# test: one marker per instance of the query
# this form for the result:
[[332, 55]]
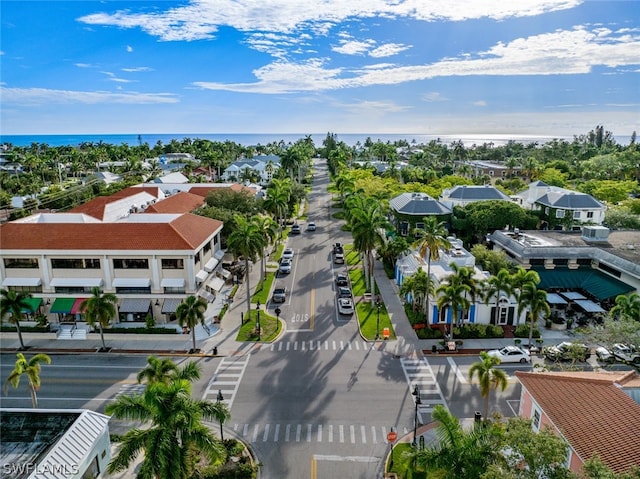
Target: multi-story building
[[145, 249]]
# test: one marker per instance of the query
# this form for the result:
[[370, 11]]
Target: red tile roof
[[182, 202], [185, 232], [96, 206], [592, 412]]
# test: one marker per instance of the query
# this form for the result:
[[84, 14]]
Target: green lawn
[[402, 462], [263, 288], [358, 284], [368, 319], [275, 256], [352, 257], [269, 327]]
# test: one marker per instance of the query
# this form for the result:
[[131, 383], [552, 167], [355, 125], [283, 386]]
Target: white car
[[510, 354], [285, 266], [287, 253], [623, 352], [311, 226], [345, 306]]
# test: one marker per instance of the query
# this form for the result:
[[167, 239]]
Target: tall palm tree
[[246, 241], [269, 229], [535, 300], [222, 414], [518, 280], [497, 284], [420, 287], [465, 276], [12, 305], [454, 296], [99, 309], [277, 200], [191, 312], [31, 369], [627, 307], [165, 371], [434, 238], [489, 377], [176, 436], [367, 228]]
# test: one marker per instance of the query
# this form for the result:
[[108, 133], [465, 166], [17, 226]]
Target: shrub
[[522, 331], [429, 333]]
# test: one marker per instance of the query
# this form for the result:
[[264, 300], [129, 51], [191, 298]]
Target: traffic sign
[[392, 436]]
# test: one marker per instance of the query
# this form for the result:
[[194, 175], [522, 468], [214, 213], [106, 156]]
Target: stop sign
[[392, 436]]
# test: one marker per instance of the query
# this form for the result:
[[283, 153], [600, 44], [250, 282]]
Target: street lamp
[[220, 399], [258, 319], [418, 401], [378, 320], [277, 311]]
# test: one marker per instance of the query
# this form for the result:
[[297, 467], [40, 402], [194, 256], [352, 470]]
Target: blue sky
[[525, 67]]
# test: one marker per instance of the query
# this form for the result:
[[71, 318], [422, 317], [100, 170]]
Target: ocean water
[[250, 139]]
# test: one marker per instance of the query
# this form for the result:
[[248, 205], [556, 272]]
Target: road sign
[[392, 436]]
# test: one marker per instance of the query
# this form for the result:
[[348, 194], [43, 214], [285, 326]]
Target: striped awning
[[135, 305], [34, 304], [76, 305], [172, 283], [170, 305], [62, 305], [554, 298], [76, 282], [589, 306], [131, 282], [201, 275], [216, 283]]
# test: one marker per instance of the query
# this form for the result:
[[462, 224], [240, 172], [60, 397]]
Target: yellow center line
[[314, 468]]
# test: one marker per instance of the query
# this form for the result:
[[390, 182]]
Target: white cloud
[[352, 47], [129, 48], [388, 50], [83, 65], [137, 69], [434, 96], [42, 96], [201, 19], [562, 52], [480, 103], [373, 108]]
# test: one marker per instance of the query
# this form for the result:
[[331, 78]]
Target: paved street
[[319, 401]]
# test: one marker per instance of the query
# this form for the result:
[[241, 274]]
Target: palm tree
[[32, 369], [497, 284], [535, 300], [367, 228], [277, 200], [191, 312], [459, 453], [434, 237], [464, 275], [176, 437], [518, 280], [221, 413], [489, 377], [269, 229], [420, 287], [12, 304], [454, 296], [165, 371], [627, 307], [246, 241], [99, 309]]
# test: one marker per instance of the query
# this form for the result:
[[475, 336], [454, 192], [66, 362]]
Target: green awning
[[594, 282], [63, 305], [34, 304]]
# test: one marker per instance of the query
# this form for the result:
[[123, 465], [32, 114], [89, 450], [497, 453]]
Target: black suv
[[342, 280]]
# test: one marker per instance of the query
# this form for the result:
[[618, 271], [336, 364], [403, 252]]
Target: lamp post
[[258, 319], [378, 320], [418, 401], [220, 399], [277, 311]]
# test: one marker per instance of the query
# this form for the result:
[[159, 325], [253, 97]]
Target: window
[[491, 172], [172, 290], [206, 248], [30, 263], [576, 215], [72, 289], [133, 290], [172, 263], [559, 213], [75, 263], [420, 226], [535, 420], [130, 263], [25, 289], [589, 214], [546, 211], [196, 258]]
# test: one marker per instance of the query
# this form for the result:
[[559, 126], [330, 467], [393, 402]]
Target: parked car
[[344, 292], [338, 248], [311, 226], [604, 355], [567, 351], [338, 258], [295, 229], [287, 253], [285, 266], [345, 306], [279, 295], [626, 353], [510, 354], [342, 280]]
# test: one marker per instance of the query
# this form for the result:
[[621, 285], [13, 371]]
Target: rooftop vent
[[595, 234]]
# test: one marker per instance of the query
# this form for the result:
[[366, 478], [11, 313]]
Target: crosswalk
[[326, 345], [226, 379], [419, 373], [316, 433], [131, 389]]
